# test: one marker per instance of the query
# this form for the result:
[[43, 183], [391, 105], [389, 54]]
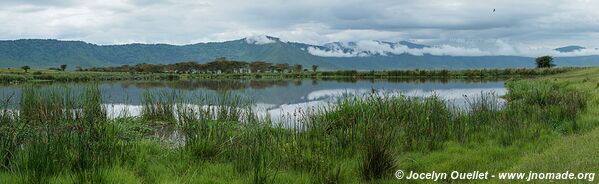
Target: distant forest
[[219, 65]]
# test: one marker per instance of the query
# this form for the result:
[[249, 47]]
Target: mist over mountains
[[361, 55]]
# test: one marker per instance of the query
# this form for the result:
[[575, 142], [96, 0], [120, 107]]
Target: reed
[[9, 133], [60, 131], [378, 157], [159, 106]]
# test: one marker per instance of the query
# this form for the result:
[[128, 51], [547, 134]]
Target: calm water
[[278, 98]]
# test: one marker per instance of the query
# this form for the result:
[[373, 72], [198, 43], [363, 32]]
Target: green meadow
[[18, 76], [58, 135]]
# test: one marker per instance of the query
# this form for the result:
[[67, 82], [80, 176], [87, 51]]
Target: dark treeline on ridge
[[219, 65]]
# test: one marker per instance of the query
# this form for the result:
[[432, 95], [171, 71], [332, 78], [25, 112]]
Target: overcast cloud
[[517, 26]]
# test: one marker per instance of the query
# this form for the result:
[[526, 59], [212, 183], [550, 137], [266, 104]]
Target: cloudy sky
[[530, 24]]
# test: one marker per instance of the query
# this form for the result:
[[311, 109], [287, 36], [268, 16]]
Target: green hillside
[[52, 53]]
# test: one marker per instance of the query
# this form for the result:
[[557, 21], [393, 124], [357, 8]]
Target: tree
[[26, 68], [544, 62], [183, 67], [63, 67], [281, 67], [226, 66], [314, 68], [260, 66], [298, 68]]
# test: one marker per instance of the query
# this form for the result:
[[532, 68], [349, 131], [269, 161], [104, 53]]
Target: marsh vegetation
[[245, 71], [58, 135]]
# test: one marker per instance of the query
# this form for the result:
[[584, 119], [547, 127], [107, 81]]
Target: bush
[[550, 103], [9, 78]]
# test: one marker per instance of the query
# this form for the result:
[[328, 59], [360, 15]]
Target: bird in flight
[[493, 10]]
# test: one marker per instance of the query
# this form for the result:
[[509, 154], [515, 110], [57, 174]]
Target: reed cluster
[[81, 76], [57, 130]]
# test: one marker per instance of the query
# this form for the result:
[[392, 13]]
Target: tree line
[[222, 65], [26, 68], [219, 65]]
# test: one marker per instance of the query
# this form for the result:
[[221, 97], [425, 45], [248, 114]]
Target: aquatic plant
[[61, 132]]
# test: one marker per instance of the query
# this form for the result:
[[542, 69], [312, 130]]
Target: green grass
[[576, 152], [63, 136], [12, 76]]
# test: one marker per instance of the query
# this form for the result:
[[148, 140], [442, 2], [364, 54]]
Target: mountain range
[[380, 55]]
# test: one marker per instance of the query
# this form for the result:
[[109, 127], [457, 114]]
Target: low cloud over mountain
[[261, 39], [367, 48], [358, 55]]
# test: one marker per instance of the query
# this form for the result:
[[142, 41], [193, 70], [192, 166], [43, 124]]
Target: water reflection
[[217, 85], [280, 99], [228, 85]]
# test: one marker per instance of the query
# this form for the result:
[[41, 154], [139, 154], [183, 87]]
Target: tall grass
[[13, 78], [227, 131], [388, 125], [378, 157], [549, 103], [478, 73], [58, 130], [207, 128], [159, 106], [8, 132], [19, 77]]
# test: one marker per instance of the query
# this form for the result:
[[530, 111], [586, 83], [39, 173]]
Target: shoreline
[[420, 135], [15, 76]]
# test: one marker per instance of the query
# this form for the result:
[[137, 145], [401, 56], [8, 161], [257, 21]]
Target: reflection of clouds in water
[[455, 94], [125, 110], [447, 94], [458, 97], [288, 114], [261, 109], [122, 110], [333, 93]]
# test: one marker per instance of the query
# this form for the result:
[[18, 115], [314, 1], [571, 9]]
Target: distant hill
[[571, 48], [52, 53]]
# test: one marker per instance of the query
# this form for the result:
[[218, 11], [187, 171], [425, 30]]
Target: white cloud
[[369, 48], [581, 52], [259, 40], [448, 50], [498, 48], [535, 23], [332, 53]]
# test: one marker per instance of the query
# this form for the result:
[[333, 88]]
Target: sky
[[516, 26]]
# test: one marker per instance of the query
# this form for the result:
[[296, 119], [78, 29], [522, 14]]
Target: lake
[[280, 99]]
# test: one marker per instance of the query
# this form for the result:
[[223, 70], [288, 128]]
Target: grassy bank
[[13, 76], [20, 76], [576, 152], [63, 136], [393, 74]]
